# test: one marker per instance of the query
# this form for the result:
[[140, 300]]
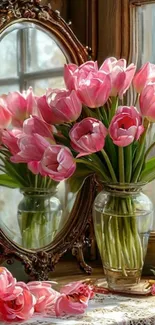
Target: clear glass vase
[[123, 218], [39, 217]]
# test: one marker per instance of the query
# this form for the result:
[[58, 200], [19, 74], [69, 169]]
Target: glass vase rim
[[130, 187], [38, 191]]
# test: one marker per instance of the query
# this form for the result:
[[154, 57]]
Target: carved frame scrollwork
[[40, 262]]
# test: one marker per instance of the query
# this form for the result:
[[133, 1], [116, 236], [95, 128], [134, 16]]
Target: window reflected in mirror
[[30, 58], [146, 52]]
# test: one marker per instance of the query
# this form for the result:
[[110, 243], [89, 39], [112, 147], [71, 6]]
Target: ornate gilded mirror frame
[[38, 263]]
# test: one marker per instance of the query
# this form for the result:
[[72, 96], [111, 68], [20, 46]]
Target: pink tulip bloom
[[5, 116], [34, 125], [59, 106], [121, 75], [7, 282], [144, 76], [21, 106], [147, 101], [31, 147], [45, 297], [10, 140], [92, 86], [79, 288], [153, 289], [95, 90], [126, 126], [19, 307], [88, 136], [72, 71], [74, 299], [58, 163]]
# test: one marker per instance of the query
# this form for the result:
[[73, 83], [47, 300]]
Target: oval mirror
[[35, 43], [32, 58]]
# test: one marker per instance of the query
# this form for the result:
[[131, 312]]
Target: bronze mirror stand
[[38, 263]]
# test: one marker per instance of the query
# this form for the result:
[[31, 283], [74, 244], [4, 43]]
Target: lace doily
[[107, 310]]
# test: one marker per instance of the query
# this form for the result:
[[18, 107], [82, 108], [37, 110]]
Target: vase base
[[118, 281]]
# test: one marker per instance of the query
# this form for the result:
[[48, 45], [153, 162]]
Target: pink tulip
[[45, 297], [19, 307], [31, 147], [79, 288], [92, 86], [95, 90], [58, 162], [126, 126], [74, 299], [59, 106], [143, 76], [153, 289], [147, 101], [34, 125], [88, 136], [7, 282], [121, 76], [72, 71], [10, 140], [5, 116], [21, 106]]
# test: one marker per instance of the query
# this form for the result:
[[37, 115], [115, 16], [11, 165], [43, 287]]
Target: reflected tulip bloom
[[5, 116], [31, 147], [58, 163], [88, 136], [126, 126], [147, 101], [21, 106], [34, 125], [59, 106], [121, 75], [10, 140]]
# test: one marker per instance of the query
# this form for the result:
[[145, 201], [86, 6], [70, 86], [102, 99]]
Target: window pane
[[40, 86], [42, 52], [146, 28], [8, 55], [6, 88]]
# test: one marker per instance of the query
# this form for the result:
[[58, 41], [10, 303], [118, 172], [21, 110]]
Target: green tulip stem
[[128, 163], [111, 170], [113, 107], [94, 168], [121, 164], [140, 149], [136, 100], [149, 150]]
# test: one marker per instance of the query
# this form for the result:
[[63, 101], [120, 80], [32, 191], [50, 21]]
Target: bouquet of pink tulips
[[84, 130]]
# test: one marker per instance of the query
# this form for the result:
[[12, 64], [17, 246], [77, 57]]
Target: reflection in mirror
[[146, 52], [31, 57], [19, 230]]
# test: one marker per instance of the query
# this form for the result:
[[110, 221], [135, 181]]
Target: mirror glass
[[146, 52], [30, 56]]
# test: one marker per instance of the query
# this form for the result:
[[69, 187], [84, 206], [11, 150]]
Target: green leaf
[[6, 180], [78, 178], [148, 173]]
